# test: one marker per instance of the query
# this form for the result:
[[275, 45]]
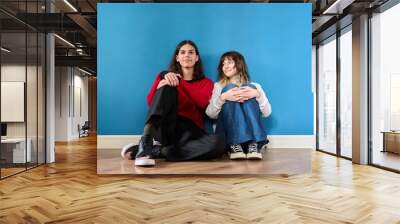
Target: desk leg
[[384, 142]]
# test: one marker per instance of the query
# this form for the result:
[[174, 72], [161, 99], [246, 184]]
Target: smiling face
[[187, 56], [232, 69], [229, 67]]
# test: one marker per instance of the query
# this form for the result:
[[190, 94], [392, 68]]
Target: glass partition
[[32, 95], [327, 95], [346, 93], [385, 89], [22, 77], [14, 153]]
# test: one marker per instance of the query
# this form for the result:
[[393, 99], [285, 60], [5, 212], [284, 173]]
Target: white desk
[[18, 150]]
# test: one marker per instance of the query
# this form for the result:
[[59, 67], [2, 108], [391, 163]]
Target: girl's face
[[187, 56], [229, 67]]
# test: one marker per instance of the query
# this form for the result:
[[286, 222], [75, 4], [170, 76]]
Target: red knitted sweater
[[193, 98]]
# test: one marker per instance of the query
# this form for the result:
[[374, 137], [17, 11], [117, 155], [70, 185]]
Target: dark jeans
[[179, 135], [240, 122]]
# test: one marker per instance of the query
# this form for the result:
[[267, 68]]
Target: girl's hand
[[246, 93], [162, 83], [231, 95], [172, 78]]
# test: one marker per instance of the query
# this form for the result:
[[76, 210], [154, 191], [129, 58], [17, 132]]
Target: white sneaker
[[145, 161], [237, 152], [254, 152]]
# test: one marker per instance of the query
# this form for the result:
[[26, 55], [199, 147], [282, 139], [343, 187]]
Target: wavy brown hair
[[175, 66], [240, 65]]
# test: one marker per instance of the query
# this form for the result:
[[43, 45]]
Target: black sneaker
[[129, 151], [237, 152], [144, 155], [254, 152]]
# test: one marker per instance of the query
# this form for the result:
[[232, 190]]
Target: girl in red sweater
[[177, 103]]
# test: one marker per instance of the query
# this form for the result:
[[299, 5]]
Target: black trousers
[[181, 139]]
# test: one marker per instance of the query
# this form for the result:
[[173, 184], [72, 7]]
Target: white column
[[360, 90], [50, 94]]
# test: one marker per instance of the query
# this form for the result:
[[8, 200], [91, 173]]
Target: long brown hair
[[175, 66], [240, 65]]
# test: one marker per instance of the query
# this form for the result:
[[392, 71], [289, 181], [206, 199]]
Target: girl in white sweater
[[238, 105]]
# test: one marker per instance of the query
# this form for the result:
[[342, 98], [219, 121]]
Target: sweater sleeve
[[153, 90], [263, 102], [215, 105], [201, 95]]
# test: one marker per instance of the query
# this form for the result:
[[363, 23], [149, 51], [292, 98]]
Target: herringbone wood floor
[[70, 191]]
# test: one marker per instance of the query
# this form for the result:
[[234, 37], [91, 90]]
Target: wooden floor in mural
[[275, 162], [71, 191]]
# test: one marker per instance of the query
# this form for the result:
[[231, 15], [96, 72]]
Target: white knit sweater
[[215, 105]]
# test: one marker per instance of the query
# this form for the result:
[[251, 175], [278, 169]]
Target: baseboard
[[116, 141], [291, 141], [276, 141]]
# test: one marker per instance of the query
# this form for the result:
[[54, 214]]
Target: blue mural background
[[136, 41]]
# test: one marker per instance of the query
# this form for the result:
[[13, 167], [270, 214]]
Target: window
[[385, 88], [327, 95], [346, 92]]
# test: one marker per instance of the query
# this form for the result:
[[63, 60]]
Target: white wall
[[80, 105], [62, 81], [15, 72], [33, 127], [71, 87]]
